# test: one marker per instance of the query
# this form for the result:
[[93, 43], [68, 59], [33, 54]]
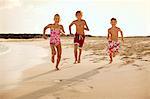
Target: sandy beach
[[26, 71]]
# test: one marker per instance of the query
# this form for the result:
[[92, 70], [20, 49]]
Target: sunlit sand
[[27, 73]]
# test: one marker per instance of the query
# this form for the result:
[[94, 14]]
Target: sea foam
[[4, 49]]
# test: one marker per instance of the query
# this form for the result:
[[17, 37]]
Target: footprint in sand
[[91, 87], [58, 80], [83, 88], [125, 57], [146, 60], [64, 60], [136, 65], [146, 53], [139, 67], [136, 58], [126, 62], [97, 60], [87, 56], [57, 97]]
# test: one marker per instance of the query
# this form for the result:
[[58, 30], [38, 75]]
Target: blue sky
[[30, 16]]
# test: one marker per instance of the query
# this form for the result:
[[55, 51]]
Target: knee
[[75, 48], [53, 53]]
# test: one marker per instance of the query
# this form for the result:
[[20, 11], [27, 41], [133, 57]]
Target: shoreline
[[16, 74]]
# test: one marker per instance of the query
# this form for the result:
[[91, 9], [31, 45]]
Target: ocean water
[[15, 58]]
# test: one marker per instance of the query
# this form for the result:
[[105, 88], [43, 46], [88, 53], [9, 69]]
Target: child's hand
[[80, 36], [64, 34], [109, 39], [44, 36]]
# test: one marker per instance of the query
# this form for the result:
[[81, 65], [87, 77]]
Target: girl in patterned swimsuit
[[55, 43]]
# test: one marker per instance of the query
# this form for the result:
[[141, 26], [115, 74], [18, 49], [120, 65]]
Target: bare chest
[[114, 31], [79, 24]]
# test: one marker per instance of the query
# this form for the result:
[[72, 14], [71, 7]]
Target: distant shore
[[30, 36]]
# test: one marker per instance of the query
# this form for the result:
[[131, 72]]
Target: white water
[[4, 49], [22, 56]]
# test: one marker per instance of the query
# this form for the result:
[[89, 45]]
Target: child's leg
[[80, 52], [81, 42], [59, 51], [114, 54], [110, 55], [53, 53], [75, 52]]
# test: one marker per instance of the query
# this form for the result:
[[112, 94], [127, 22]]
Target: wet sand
[[128, 77], [17, 58]]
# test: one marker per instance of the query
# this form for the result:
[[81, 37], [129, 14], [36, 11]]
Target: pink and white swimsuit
[[55, 37]]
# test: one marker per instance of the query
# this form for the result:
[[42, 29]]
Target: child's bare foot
[[114, 54], [75, 62], [79, 61], [57, 68], [110, 61], [52, 59]]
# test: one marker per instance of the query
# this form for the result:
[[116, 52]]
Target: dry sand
[[128, 77]]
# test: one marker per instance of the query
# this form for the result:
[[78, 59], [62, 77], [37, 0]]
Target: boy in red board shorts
[[79, 35], [113, 43]]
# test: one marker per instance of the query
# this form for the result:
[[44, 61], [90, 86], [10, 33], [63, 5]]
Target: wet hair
[[113, 19], [78, 12], [56, 15]]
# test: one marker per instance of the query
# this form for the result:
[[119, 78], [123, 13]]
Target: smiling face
[[57, 18]]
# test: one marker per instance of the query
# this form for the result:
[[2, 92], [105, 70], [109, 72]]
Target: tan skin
[[81, 25], [113, 35], [55, 49]]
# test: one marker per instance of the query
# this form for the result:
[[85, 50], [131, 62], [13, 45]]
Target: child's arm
[[63, 31], [70, 27], [86, 26], [121, 35], [44, 30], [108, 36]]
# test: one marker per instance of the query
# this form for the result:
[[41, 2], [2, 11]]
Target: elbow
[[87, 29], [44, 30], [121, 34]]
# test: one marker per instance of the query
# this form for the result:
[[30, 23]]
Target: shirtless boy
[[113, 43], [79, 35]]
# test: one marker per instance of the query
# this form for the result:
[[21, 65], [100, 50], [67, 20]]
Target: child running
[[79, 35], [113, 43], [55, 42]]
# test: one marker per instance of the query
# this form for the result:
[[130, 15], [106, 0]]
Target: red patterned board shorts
[[79, 40], [113, 46]]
